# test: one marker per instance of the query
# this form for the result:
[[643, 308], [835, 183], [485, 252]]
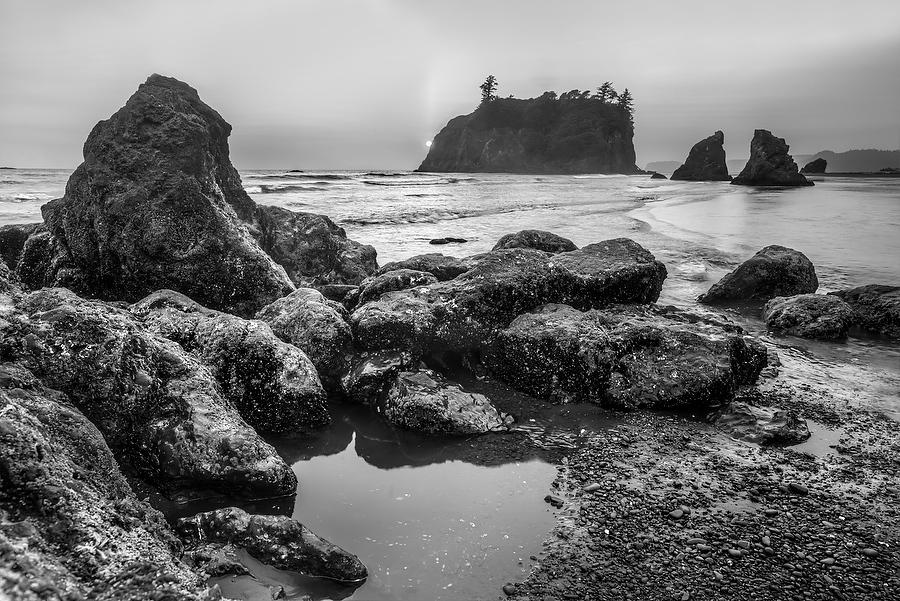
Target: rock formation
[[875, 308], [540, 135], [441, 266], [773, 271], [761, 425], [705, 161], [12, 241], [815, 166], [536, 239], [770, 164], [819, 316], [399, 279]]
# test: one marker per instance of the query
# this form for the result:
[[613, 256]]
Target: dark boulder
[[815, 166], [625, 357], [275, 540], [440, 266], [371, 375], [400, 279], [12, 240], [773, 271], [536, 239], [705, 161], [273, 384], [761, 425], [658, 176], [770, 164], [159, 408], [809, 316], [876, 308], [449, 240]]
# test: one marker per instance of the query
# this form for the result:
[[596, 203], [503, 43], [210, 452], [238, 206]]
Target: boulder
[[12, 240], [761, 425], [876, 308], [448, 240], [424, 401], [159, 408], [625, 357], [705, 161], [157, 204], [536, 239], [371, 375], [312, 248], [440, 266], [275, 540], [815, 166], [770, 164], [336, 292], [400, 279], [468, 311], [809, 316], [314, 324], [70, 525], [273, 384], [773, 271], [658, 176]]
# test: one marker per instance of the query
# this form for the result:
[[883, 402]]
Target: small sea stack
[[770, 164], [705, 161], [815, 166]]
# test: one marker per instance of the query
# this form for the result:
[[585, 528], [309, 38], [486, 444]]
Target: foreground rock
[[773, 271], [625, 357], [809, 316], [816, 166], [389, 281], [761, 425], [770, 164], [440, 266], [158, 407], [273, 384], [467, 312], [705, 161], [277, 541], [536, 239], [876, 308], [12, 241], [70, 525]]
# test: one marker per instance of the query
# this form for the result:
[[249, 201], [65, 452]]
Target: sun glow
[[428, 144]]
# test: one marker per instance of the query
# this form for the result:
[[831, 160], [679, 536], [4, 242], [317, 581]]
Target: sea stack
[[770, 164], [705, 161], [816, 166]]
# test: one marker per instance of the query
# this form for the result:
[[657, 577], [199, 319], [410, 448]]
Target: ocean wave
[[432, 182], [280, 188], [599, 176], [432, 215], [289, 175], [427, 195], [11, 182], [26, 197]]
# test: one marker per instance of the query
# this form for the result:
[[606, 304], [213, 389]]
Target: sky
[[364, 84]]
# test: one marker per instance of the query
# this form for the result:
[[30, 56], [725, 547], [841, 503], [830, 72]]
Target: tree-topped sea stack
[[770, 164], [705, 162]]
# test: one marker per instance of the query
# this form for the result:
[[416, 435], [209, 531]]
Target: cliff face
[[539, 135]]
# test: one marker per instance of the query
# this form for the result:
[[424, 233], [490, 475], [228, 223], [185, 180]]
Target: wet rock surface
[[443, 267], [761, 425], [12, 241], [770, 163], [876, 308], [705, 161], [388, 281], [819, 316], [773, 271], [536, 239]]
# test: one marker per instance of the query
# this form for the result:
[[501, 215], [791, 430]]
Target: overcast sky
[[365, 83]]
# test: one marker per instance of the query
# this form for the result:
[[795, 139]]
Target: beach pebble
[[676, 514], [509, 589], [593, 487], [798, 489], [554, 500], [735, 552], [870, 552]]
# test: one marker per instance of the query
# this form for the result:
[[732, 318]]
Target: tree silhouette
[[488, 88], [626, 102], [606, 92]]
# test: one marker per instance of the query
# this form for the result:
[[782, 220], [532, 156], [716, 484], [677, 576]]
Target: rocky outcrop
[[809, 316], [70, 525], [773, 271], [536, 239], [440, 266], [12, 240], [761, 425], [705, 161], [770, 164], [540, 135], [159, 408], [314, 324], [656, 175], [400, 279], [468, 311], [875, 308], [625, 357], [275, 540], [815, 166], [273, 384]]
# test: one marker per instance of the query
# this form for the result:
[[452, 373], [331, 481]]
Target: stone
[[371, 376], [705, 161], [554, 500], [815, 166], [159, 408], [12, 241], [275, 540], [442, 267], [770, 164], [536, 239], [448, 240], [658, 176], [798, 489], [424, 401], [315, 325], [593, 487], [820, 316], [676, 514], [876, 308], [388, 281], [761, 425], [773, 271], [273, 384]]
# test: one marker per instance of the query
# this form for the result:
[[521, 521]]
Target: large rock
[[468, 311], [273, 384], [761, 425], [400, 279], [309, 321], [876, 308], [625, 357], [313, 250], [809, 316], [770, 164], [815, 166], [275, 540], [773, 271], [705, 161], [12, 240], [157, 204], [536, 239], [442, 267], [70, 525], [159, 408]]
